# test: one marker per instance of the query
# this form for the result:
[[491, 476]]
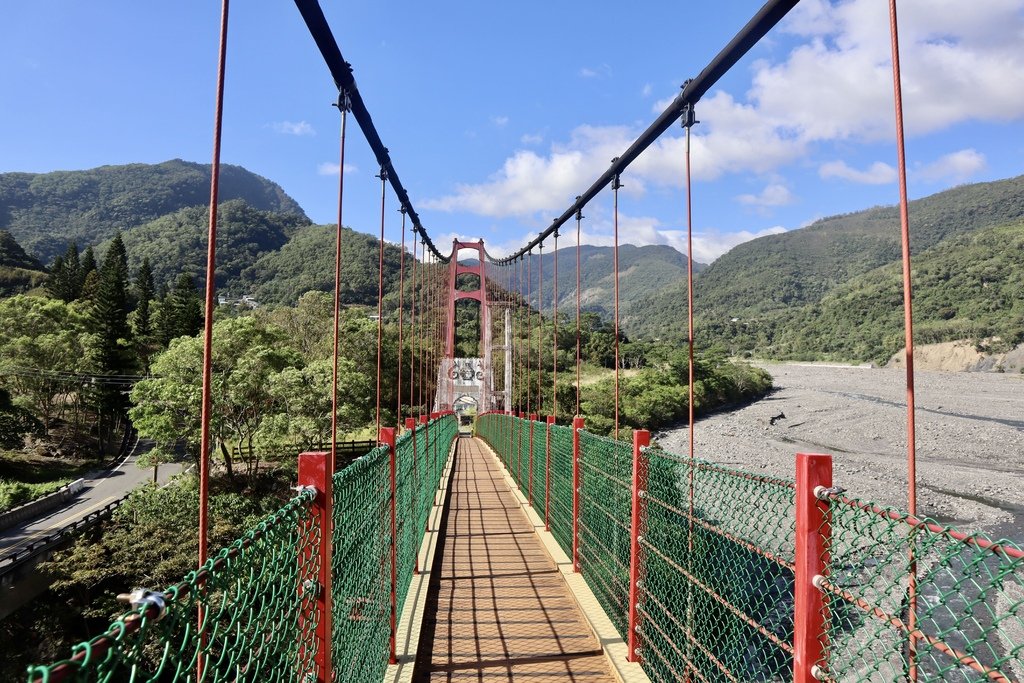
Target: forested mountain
[[306, 263], [761, 283], [642, 270], [176, 243], [967, 287], [46, 211], [19, 272]]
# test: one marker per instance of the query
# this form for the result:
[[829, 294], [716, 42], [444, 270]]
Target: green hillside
[[968, 287], [19, 272], [306, 263], [642, 270], [176, 243], [761, 282], [46, 211]]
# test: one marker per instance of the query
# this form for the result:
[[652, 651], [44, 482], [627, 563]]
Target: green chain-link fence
[[253, 612], [716, 597], [606, 468], [258, 608], [716, 588], [561, 487], [907, 599]]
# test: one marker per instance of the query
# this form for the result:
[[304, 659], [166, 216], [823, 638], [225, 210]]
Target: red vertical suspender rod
[[380, 289], [211, 264], [401, 313], [908, 327], [540, 327], [579, 220], [554, 334], [616, 184]]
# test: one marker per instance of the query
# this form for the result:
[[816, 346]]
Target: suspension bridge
[[535, 549]]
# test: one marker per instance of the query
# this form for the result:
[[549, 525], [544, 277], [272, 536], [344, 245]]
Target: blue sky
[[498, 114]]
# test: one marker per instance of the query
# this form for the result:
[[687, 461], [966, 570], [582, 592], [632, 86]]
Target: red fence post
[[313, 472], [437, 462], [812, 533], [547, 473], [577, 426], [533, 419], [387, 437], [638, 515]]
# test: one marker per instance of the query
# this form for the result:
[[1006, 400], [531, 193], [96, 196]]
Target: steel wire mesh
[[605, 502], [253, 615], [716, 598], [362, 569], [967, 602], [561, 487]]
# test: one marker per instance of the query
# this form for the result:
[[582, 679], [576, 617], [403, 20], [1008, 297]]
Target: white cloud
[[775, 194], [499, 121], [531, 139], [877, 174], [293, 128], [330, 168], [646, 90], [602, 71], [708, 245], [957, 166], [529, 182], [960, 61]]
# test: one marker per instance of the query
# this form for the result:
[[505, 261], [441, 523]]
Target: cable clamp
[[818, 673], [818, 581], [300, 489], [142, 599], [344, 103], [826, 492]]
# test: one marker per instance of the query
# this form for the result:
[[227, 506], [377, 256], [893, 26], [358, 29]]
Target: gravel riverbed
[[970, 438]]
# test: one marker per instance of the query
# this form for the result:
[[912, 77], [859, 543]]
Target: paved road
[[100, 489]]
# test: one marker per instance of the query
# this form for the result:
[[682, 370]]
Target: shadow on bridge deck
[[497, 605]]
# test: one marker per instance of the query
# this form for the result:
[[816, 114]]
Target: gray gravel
[[970, 438]]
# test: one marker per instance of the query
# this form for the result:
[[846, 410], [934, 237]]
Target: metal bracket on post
[[813, 531], [547, 473], [638, 517], [313, 474], [577, 427]]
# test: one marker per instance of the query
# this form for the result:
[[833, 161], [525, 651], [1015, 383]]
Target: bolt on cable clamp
[[818, 581], [825, 492], [818, 673], [311, 587], [141, 599], [300, 489]]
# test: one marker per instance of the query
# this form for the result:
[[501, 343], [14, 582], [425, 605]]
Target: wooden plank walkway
[[498, 608]]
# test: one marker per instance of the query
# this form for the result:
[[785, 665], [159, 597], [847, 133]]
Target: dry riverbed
[[970, 438]]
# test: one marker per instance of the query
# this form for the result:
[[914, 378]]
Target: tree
[[247, 353], [143, 319], [181, 314], [88, 264], [41, 342]]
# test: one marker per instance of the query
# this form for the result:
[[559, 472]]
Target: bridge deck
[[498, 607]]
